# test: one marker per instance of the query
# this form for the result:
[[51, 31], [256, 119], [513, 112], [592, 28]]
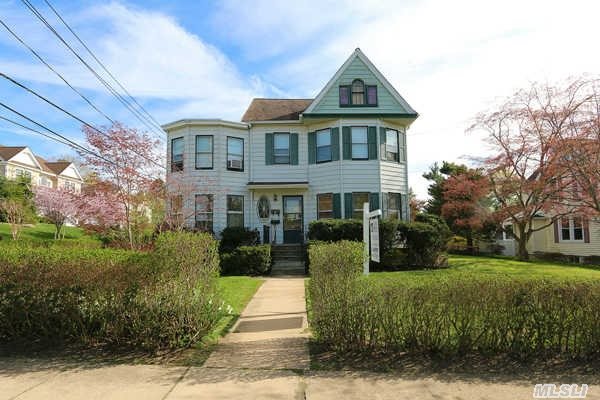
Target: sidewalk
[[264, 357]]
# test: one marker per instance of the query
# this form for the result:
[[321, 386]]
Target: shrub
[[555, 257], [333, 230], [162, 299], [425, 240], [457, 245], [247, 260], [234, 237], [456, 315]]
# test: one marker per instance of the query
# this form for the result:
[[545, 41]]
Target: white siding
[[261, 172]]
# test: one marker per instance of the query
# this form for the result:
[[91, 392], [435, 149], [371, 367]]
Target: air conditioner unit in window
[[234, 164]]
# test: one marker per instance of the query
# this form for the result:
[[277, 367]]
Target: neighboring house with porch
[[291, 161], [21, 162]]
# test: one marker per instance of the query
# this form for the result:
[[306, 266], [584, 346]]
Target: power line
[[41, 59], [102, 64], [64, 138], [59, 138], [33, 130], [107, 85], [33, 92]]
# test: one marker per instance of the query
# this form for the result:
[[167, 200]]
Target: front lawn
[[502, 267], [45, 233]]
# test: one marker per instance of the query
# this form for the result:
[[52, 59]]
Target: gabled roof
[[58, 167], [275, 109], [44, 164], [408, 110], [8, 152]]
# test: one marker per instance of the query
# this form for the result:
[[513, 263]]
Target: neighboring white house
[[573, 235], [292, 161], [20, 161]]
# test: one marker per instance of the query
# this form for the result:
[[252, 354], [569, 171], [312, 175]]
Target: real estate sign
[[374, 230]]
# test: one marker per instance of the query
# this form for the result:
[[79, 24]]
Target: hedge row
[[247, 260], [167, 298], [459, 314], [419, 244]]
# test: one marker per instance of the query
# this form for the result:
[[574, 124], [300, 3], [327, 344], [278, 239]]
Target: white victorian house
[[291, 161]]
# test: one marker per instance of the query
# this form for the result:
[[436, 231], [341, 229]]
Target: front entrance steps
[[288, 259]]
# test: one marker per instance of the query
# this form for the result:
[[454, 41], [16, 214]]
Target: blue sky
[[182, 59]]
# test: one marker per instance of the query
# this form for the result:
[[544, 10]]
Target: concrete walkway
[[265, 357]]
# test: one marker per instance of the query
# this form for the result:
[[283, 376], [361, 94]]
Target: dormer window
[[358, 94]]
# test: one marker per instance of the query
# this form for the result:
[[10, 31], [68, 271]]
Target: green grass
[[45, 232], [238, 290], [500, 267]]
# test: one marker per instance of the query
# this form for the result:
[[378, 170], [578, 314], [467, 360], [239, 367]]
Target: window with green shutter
[[372, 142], [347, 205], [324, 151], [335, 144], [347, 142], [312, 147], [268, 148], [373, 201], [337, 205], [293, 148]]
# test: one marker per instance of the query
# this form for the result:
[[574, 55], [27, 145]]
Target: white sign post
[[370, 235]]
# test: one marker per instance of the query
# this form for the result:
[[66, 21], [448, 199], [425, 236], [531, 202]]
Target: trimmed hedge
[[419, 244], [247, 260], [234, 237], [167, 298], [333, 230], [446, 316]]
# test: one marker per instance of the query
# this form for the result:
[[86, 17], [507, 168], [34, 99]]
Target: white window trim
[[571, 232], [289, 153], [326, 131], [319, 211]]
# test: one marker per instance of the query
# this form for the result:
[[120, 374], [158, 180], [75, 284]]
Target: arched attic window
[[358, 92]]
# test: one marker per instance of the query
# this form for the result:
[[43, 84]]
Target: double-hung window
[[204, 152], [235, 154], [235, 211], [391, 145], [325, 205], [204, 212], [358, 199], [177, 154], [393, 208], [571, 229], [281, 148], [360, 146], [358, 92], [323, 145]]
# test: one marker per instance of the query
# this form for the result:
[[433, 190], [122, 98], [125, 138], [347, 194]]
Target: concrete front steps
[[288, 259]]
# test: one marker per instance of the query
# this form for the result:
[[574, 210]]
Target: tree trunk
[[129, 231], [522, 239], [470, 248]]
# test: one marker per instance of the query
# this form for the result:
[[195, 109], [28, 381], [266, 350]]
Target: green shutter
[[373, 201], [268, 148], [382, 142], [402, 139], [372, 141], [337, 205], [312, 147], [347, 205], [405, 212], [347, 142], [294, 148], [384, 204], [335, 144]]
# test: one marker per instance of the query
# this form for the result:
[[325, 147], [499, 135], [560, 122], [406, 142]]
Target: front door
[[292, 219]]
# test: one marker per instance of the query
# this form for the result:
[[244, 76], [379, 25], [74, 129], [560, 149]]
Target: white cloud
[[154, 58], [450, 60]]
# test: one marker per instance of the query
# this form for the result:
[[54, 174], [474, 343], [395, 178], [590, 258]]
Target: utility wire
[[33, 130], [41, 59], [102, 64], [60, 138], [39, 96], [135, 112], [64, 138]]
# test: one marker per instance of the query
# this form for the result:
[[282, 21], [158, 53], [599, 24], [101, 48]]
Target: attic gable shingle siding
[[275, 109], [358, 70]]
